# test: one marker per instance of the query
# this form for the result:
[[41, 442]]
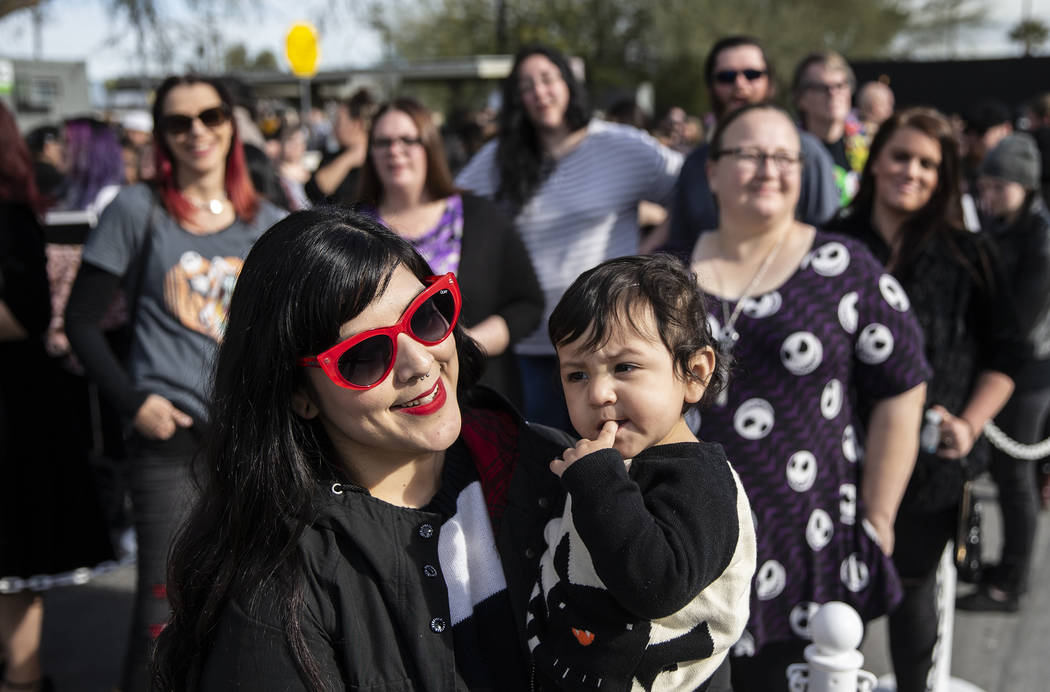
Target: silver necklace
[[729, 336]]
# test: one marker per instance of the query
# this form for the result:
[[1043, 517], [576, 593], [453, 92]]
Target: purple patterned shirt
[[838, 330], [440, 246]]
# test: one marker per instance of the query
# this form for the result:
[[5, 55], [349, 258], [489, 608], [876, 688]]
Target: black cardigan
[[969, 327], [496, 277], [369, 612]]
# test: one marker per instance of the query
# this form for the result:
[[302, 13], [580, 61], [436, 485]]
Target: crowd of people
[[536, 400]]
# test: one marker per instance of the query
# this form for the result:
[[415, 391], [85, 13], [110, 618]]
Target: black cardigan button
[[426, 531], [438, 625], [430, 571]]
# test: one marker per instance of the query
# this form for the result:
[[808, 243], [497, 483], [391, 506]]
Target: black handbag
[[968, 537]]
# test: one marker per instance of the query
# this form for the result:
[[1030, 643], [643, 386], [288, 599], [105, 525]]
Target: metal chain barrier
[[1011, 447]]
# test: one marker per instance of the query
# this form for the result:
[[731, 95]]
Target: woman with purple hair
[[96, 174], [96, 165]]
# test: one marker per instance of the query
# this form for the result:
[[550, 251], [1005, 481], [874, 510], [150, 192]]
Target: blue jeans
[[544, 400], [161, 496]]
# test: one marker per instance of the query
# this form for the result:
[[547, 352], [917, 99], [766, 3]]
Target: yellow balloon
[[300, 47]]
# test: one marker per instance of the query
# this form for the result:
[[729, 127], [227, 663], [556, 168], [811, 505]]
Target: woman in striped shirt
[[572, 185]]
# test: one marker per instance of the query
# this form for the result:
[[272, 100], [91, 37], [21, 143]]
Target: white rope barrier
[[1011, 447]]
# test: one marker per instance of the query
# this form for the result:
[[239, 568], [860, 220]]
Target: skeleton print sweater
[[644, 582]]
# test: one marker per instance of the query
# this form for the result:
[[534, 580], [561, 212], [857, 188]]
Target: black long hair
[[520, 160], [303, 279], [940, 219]]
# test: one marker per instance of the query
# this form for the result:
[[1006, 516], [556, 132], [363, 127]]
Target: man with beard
[[737, 73]]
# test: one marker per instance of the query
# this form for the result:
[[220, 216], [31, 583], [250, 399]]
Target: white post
[[940, 675], [833, 660]]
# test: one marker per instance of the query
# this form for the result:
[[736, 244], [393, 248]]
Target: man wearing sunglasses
[[737, 73]]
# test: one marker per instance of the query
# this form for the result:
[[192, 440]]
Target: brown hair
[[829, 60], [438, 182], [941, 217]]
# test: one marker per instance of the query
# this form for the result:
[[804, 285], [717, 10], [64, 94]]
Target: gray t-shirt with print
[[186, 287]]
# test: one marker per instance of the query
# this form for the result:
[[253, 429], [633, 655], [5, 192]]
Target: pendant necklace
[[729, 336], [216, 206]]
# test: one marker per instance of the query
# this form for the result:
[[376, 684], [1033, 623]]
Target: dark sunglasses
[[364, 360], [729, 76], [179, 124]]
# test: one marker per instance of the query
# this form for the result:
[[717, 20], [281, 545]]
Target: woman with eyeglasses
[[406, 184], [176, 248], [572, 186], [368, 520], [908, 212], [821, 415]]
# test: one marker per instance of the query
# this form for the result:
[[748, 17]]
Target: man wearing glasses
[[737, 73], [823, 89]]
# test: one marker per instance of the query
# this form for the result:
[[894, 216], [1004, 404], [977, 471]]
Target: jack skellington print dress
[[812, 357]]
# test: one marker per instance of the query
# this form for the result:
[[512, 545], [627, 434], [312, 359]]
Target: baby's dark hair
[[604, 297]]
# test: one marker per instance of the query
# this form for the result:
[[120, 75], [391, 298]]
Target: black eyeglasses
[[753, 158], [826, 89], [389, 142], [179, 124], [729, 76]]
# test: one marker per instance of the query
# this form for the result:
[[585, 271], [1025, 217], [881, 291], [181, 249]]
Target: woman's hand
[[605, 440], [957, 435], [884, 534], [158, 419]]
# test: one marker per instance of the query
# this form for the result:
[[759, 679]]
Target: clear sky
[[81, 30]]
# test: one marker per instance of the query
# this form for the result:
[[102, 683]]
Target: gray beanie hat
[[1016, 158]]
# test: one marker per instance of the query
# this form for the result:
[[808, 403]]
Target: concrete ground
[[994, 652], [85, 630]]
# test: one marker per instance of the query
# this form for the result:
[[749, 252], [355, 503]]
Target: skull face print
[[831, 399], [893, 293], [770, 580], [830, 259], [745, 646], [762, 306], [848, 503], [800, 618], [714, 326], [848, 317], [801, 353], [850, 446], [754, 419], [801, 471], [854, 573], [819, 529], [875, 344]]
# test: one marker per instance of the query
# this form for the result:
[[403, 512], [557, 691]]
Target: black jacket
[[496, 277], [371, 619], [1024, 248]]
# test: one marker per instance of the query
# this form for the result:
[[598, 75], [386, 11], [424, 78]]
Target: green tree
[[236, 57], [626, 41], [941, 22], [265, 60], [1031, 33], [9, 6]]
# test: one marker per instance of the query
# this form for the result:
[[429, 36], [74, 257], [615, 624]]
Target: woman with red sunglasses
[[176, 248], [368, 518]]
